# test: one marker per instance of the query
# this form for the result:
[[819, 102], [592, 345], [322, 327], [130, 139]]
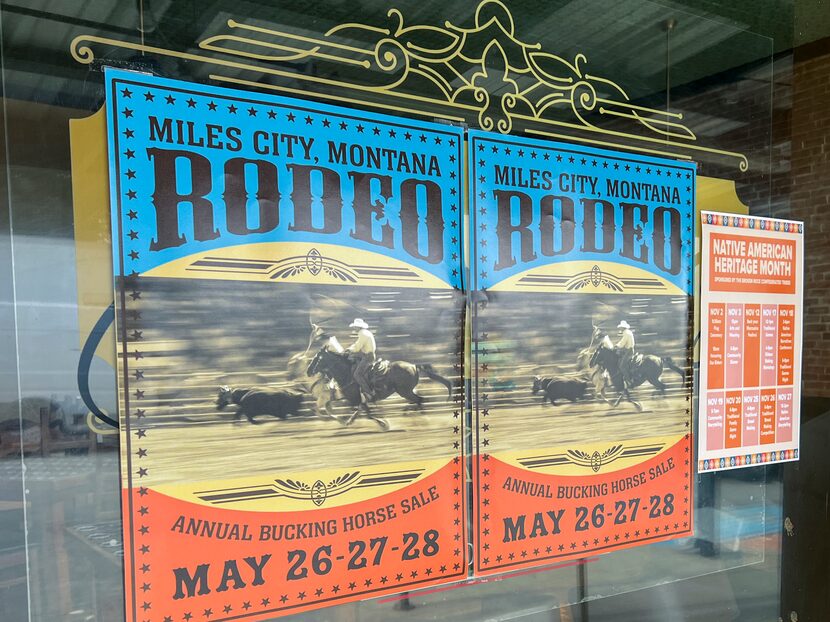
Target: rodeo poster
[[289, 316], [581, 281]]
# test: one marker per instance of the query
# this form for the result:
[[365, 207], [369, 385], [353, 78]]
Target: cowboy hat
[[358, 323], [623, 324]]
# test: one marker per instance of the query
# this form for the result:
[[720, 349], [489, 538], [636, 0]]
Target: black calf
[[279, 403], [560, 388]]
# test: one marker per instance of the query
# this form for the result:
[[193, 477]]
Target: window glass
[[729, 73]]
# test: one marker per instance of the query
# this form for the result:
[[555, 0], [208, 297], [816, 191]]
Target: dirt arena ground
[[530, 334], [198, 335]]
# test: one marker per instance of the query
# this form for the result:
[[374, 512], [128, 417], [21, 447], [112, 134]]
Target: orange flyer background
[[734, 267], [191, 561], [530, 518]]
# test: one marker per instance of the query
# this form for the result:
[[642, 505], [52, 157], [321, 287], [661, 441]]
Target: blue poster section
[[540, 202], [196, 167]]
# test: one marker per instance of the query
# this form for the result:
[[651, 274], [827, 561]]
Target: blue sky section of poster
[[583, 175], [323, 154]]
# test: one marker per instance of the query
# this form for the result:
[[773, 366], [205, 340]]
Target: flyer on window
[[752, 289], [581, 281], [289, 312]]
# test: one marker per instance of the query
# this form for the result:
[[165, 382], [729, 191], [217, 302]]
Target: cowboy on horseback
[[625, 349], [362, 351]]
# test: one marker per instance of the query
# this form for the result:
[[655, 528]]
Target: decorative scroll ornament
[[317, 492], [595, 460], [596, 278], [483, 74], [315, 263]]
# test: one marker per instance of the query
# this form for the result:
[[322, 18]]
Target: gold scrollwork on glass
[[483, 74]]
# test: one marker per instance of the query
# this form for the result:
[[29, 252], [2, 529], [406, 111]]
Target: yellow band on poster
[[293, 491], [298, 262], [589, 277], [585, 459]]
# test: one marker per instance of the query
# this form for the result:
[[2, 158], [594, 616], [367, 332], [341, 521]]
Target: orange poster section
[[717, 314], [528, 517], [200, 562], [764, 362], [740, 263], [752, 345], [746, 357]]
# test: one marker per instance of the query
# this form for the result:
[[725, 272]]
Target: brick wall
[[810, 201], [789, 176]]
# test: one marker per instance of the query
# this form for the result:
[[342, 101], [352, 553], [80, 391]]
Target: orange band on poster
[[740, 263], [527, 518], [188, 561]]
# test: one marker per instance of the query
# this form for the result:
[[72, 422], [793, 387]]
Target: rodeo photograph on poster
[[581, 279], [289, 317]]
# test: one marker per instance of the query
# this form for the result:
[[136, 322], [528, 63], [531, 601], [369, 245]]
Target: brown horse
[[644, 368], [399, 377]]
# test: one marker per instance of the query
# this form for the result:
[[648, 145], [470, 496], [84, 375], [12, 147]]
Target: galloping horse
[[646, 367], [400, 377]]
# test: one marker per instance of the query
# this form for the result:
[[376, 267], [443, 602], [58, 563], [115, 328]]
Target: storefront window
[[203, 201]]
